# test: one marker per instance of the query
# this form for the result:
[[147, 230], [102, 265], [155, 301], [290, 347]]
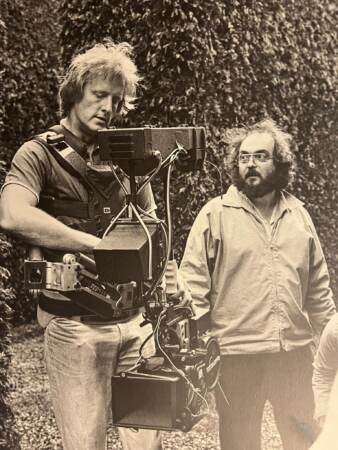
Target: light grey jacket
[[267, 284]]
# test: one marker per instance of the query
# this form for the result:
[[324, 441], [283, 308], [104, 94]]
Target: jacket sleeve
[[325, 366], [319, 300], [197, 263]]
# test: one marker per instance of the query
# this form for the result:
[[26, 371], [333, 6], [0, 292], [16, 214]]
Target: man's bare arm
[[19, 215]]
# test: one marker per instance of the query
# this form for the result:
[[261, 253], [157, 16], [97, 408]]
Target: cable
[[135, 366], [223, 393], [154, 285], [145, 213], [179, 371], [166, 232], [161, 223], [112, 223], [150, 243], [118, 180], [174, 154], [167, 202], [144, 343], [153, 172], [140, 358], [219, 174]]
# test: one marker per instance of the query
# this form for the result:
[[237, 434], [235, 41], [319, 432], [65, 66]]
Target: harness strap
[[63, 162], [73, 163], [69, 155], [63, 135], [57, 207]]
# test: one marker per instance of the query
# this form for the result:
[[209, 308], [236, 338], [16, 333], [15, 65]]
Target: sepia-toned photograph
[[168, 225]]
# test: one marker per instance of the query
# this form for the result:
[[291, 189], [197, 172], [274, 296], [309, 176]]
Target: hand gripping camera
[[168, 390]]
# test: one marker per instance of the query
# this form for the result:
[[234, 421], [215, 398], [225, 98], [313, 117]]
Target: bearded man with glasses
[[254, 259]]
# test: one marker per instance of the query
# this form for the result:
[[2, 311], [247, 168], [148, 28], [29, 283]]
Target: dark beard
[[265, 186]]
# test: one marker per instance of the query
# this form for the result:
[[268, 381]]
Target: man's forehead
[[106, 83], [258, 141]]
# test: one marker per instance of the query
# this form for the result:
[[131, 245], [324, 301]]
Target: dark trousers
[[283, 378]]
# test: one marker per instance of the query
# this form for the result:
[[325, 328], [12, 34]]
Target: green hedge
[[29, 80], [8, 436], [221, 64], [29, 62]]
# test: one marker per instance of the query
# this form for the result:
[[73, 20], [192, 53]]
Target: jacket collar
[[235, 199]]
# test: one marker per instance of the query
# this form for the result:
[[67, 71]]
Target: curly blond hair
[[108, 61]]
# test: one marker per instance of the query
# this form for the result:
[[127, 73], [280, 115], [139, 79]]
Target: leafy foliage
[[29, 74], [28, 43], [222, 64], [27, 105], [8, 437]]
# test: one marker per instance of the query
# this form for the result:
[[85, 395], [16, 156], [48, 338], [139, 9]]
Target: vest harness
[[93, 216]]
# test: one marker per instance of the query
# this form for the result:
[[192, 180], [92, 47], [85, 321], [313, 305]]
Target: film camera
[[168, 390]]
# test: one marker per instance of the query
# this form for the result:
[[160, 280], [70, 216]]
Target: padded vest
[[95, 215]]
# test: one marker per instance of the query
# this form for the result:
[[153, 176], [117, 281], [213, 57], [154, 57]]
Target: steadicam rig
[[167, 391]]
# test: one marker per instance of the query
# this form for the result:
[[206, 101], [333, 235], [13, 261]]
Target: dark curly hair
[[283, 155]]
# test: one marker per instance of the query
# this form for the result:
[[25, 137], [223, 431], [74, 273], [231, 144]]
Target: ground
[[34, 416]]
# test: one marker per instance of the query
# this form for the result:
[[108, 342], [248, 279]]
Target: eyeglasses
[[259, 157]]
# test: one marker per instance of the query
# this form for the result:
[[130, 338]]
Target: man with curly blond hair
[[254, 259], [65, 209]]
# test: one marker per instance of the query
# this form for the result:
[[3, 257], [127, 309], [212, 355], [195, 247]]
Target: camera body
[[139, 146]]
